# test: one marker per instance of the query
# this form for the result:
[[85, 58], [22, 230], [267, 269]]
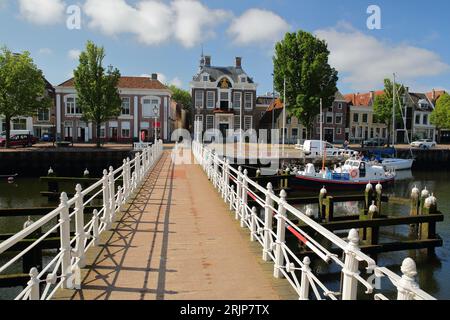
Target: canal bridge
[[171, 230]]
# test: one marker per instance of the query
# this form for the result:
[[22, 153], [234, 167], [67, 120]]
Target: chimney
[[372, 93], [238, 62], [154, 76], [433, 95], [207, 61]]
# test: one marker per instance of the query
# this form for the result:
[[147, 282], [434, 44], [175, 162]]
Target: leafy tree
[[97, 93], [440, 116], [302, 60], [383, 105], [22, 87], [181, 96]]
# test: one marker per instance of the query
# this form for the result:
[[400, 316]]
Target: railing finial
[[353, 237]]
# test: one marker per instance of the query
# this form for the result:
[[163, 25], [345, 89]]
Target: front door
[[114, 134], [223, 127], [82, 135], [329, 135]]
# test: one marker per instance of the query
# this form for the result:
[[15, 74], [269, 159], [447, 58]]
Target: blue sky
[[144, 37]]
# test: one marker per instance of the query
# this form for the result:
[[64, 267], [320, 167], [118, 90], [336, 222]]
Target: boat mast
[[393, 113], [322, 148]]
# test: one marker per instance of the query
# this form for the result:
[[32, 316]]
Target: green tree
[[22, 87], [181, 96], [440, 116], [302, 60], [97, 93], [383, 105]]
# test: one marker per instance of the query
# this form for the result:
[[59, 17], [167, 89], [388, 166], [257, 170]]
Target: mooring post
[[79, 226], [368, 197], [379, 196], [281, 236], [33, 283], [304, 282], [329, 208], [244, 194], [428, 229], [350, 283], [65, 243], [52, 186], [423, 197], [238, 192], [414, 211], [407, 284], [322, 196], [373, 233], [268, 223]]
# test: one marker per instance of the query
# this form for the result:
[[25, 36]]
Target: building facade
[[224, 98], [145, 106]]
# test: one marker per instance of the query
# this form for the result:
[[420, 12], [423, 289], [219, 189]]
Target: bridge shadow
[[132, 263]]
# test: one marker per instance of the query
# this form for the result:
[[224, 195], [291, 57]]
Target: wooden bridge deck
[[177, 240]]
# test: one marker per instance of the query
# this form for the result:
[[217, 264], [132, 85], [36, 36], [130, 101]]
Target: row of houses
[[223, 98]]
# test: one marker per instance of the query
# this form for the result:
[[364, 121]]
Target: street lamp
[[155, 113]]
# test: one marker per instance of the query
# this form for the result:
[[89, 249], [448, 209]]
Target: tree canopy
[[440, 116], [22, 87], [302, 60], [181, 96], [97, 93]]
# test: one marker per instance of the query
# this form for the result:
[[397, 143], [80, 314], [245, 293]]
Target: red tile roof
[[435, 94], [277, 104], [362, 99], [128, 83]]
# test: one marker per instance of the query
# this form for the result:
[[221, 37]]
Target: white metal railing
[[63, 271], [235, 187]]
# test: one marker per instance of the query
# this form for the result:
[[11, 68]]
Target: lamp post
[[155, 112]]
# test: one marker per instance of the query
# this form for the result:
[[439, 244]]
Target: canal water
[[434, 273]]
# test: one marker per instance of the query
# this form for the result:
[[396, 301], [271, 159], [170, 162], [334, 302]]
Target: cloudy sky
[[166, 37]]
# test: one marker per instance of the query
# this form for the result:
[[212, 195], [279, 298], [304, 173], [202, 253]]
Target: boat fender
[[354, 173]]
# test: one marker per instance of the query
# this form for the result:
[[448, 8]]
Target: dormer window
[[243, 79], [205, 78]]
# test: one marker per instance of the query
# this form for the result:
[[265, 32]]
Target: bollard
[[79, 226], [379, 195], [33, 283], [268, 222], [65, 242], [322, 196], [407, 284], [253, 225], [350, 283], [304, 281], [281, 236], [414, 211]]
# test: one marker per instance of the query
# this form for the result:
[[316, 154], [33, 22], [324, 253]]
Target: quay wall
[[64, 163]]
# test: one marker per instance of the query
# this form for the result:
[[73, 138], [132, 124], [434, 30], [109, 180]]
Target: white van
[[314, 148], [16, 132]]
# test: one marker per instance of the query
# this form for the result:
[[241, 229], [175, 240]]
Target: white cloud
[[176, 82], [363, 61], [42, 12], [73, 54], [195, 22], [163, 79], [154, 22], [45, 51], [257, 26]]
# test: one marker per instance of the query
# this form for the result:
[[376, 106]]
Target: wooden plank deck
[[177, 240]]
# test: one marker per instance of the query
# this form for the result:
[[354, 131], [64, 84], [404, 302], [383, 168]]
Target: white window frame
[[339, 131], [208, 106], [45, 112], [329, 114], [72, 109], [122, 106], [339, 115], [237, 122], [209, 122], [199, 101], [154, 101], [246, 94], [245, 122], [234, 99]]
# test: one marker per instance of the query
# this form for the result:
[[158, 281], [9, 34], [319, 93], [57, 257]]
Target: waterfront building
[[141, 97], [443, 135], [418, 111], [362, 123], [224, 97]]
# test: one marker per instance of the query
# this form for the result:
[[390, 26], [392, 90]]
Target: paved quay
[[177, 240]]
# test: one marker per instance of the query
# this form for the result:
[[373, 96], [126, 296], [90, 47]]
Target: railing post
[[79, 226], [244, 195], [124, 178], [238, 192], [407, 284], [119, 201], [106, 214], [137, 167], [112, 194], [232, 202], [281, 236], [268, 222], [65, 243], [304, 281], [350, 283], [95, 232], [253, 225], [216, 170], [33, 283], [128, 181]]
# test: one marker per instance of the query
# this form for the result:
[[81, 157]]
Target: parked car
[[424, 144], [375, 143], [16, 140], [47, 137]]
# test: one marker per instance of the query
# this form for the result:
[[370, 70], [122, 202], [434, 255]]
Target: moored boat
[[353, 175]]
